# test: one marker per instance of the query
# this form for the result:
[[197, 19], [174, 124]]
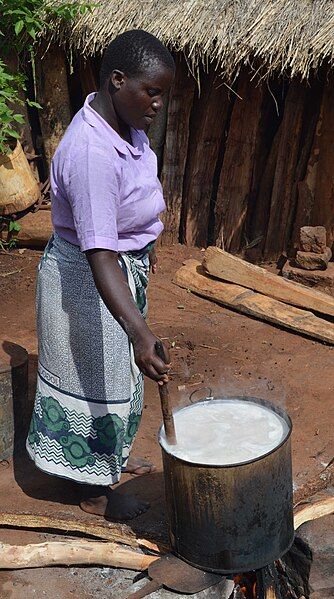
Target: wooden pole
[[236, 178], [283, 197], [306, 169], [207, 127], [176, 148], [323, 208], [166, 407]]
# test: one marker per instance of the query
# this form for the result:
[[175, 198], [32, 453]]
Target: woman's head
[[136, 71]]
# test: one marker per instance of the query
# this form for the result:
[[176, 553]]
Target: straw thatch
[[286, 36]]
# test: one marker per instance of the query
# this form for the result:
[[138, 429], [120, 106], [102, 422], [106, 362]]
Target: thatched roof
[[285, 36]]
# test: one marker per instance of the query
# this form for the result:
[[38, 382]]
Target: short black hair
[[133, 52]]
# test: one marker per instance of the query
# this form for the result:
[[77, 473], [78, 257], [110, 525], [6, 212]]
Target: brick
[[313, 261], [322, 280], [313, 239]]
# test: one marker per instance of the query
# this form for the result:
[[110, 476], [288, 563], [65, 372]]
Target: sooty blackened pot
[[236, 518]]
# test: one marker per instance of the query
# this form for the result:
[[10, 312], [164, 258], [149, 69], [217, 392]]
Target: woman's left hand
[[153, 261]]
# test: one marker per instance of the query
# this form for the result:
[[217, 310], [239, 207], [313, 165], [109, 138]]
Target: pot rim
[[263, 402]]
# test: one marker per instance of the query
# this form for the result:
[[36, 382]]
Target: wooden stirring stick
[[167, 413]]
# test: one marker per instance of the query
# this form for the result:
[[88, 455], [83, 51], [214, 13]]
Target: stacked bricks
[[313, 253], [312, 266]]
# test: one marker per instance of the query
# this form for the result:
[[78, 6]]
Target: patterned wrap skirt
[[89, 390]]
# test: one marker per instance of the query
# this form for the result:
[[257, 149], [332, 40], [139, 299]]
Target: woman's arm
[[115, 292]]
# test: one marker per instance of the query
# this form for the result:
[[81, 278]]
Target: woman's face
[[138, 99]]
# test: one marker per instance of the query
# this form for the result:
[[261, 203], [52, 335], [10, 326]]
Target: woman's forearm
[[115, 292]]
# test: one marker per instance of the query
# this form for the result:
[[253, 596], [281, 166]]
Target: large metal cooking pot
[[231, 519]]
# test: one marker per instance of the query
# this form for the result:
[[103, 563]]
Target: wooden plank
[[323, 208], [236, 178], [176, 147], [284, 197], [230, 268], [52, 94], [207, 126], [192, 276]]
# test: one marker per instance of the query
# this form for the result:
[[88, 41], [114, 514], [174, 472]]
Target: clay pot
[[18, 187]]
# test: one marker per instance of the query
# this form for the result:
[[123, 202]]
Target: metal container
[[235, 518]]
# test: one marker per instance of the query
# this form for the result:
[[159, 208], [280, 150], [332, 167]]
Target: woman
[[94, 343]]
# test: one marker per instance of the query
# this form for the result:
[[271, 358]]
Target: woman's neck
[[106, 110]]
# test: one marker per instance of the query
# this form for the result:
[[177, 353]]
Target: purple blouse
[[105, 192]]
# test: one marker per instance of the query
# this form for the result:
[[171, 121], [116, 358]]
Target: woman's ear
[[116, 79]]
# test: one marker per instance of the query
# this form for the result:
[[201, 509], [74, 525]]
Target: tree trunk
[[207, 125], [176, 147], [236, 179], [52, 94]]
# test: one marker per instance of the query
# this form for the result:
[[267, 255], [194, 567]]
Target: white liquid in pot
[[225, 432]]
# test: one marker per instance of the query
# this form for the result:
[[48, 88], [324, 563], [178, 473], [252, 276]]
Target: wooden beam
[[236, 178], [176, 148], [192, 276], [230, 268], [70, 552], [207, 127], [284, 196]]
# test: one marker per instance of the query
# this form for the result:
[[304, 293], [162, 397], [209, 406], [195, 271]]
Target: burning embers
[[245, 586], [287, 578]]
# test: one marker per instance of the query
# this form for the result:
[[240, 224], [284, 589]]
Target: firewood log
[[320, 508], [224, 266], [68, 553], [120, 533], [192, 276]]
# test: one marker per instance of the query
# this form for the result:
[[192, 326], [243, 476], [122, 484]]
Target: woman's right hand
[[147, 358]]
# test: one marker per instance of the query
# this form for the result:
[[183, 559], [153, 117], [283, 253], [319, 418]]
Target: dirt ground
[[210, 346]]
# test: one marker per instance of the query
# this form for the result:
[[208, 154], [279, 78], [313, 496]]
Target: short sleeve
[[93, 193]]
